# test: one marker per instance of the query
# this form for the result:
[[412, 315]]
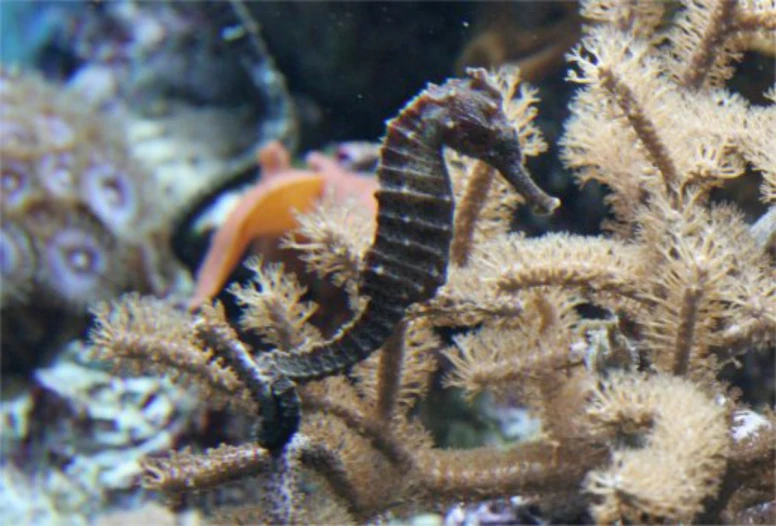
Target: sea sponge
[[81, 219]]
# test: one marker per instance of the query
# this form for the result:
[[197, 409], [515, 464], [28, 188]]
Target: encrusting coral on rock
[[618, 342], [81, 219], [76, 440], [86, 210]]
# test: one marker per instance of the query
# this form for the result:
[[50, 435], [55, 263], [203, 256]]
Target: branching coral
[[657, 473], [636, 423]]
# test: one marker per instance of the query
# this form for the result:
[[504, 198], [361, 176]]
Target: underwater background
[[129, 130]]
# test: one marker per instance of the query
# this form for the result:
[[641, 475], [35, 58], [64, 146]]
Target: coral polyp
[[17, 263], [77, 260], [56, 171], [16, 184], [55, 131], [110, 194]]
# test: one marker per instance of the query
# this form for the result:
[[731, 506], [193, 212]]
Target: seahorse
[[408, 259]]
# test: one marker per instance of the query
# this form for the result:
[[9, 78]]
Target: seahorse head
[[474, 124]]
